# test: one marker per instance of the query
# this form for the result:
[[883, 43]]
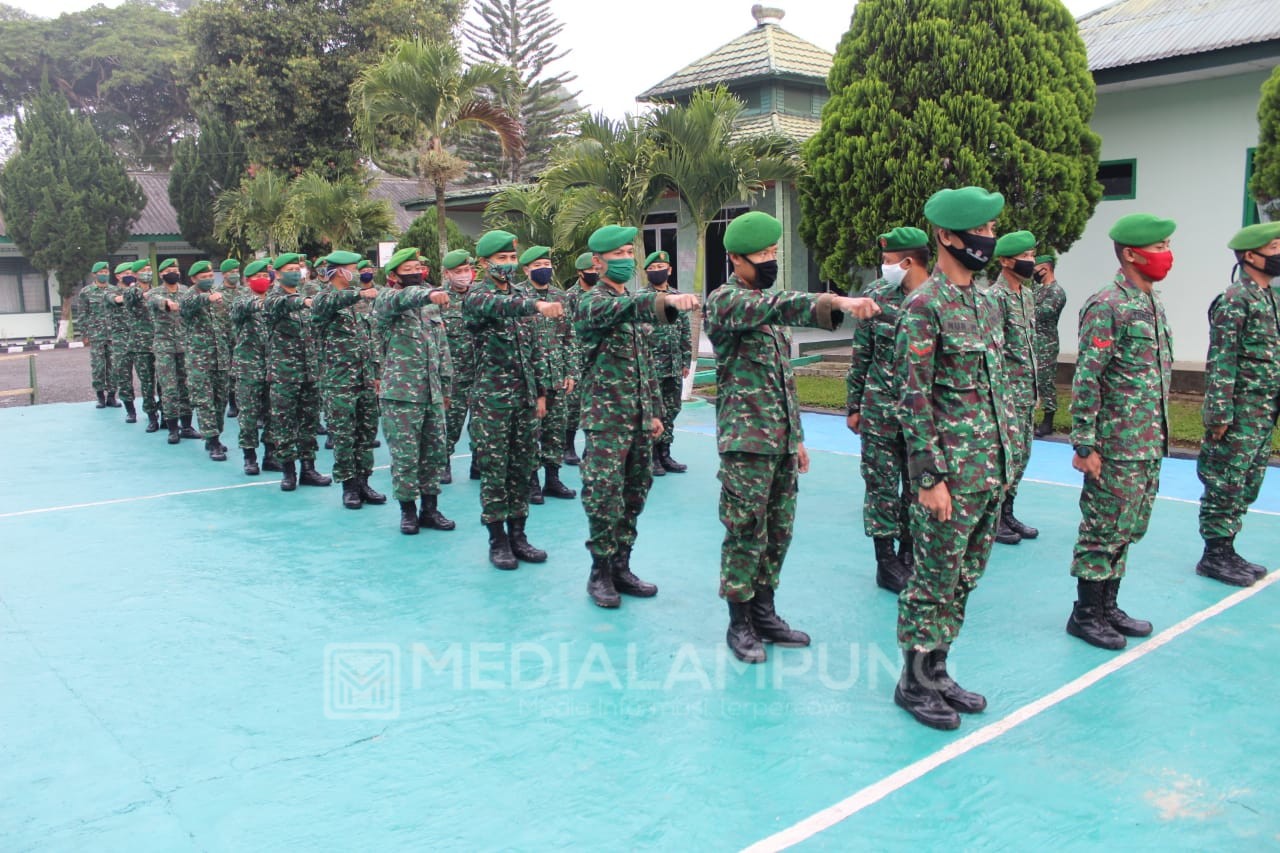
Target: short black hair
[[920, 254]]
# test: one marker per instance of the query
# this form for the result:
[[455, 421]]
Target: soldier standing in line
[[872, 405], [556, 339], [672, 348], [133, 353], [249, 326], [96, 326], [458, 276], [508, 397], [207, 357], [230, 289], [364, 308], [1241, 402], [588, 274], [1050, 300], [955, 418], [1120, 424], [1015, 253], [758, 431], [169, 345]]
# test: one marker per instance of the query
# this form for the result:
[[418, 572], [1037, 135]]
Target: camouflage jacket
[[289, 352], [756, 406], [1120, 392], [222, 311], [250, 328], [620, 391], [671, 343], [412, 363], [869, 385], [557, 339], [1018, 311], [1243, 367], [170, 335], [206, 345], [462, 344], [1050, 300], [138, 328], [511, 368], [952, 403], [116, 316], [92, 303], [344, 348]]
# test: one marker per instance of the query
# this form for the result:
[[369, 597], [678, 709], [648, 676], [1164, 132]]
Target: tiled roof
[[1131, 32], [766, 50], [795, 128], [397, 191]]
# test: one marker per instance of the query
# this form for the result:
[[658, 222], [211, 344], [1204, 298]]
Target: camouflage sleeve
[[605, 312], [327, 303], [192, 303], [1057, 301], [1097, 344], [742, 310], [855, 381], [243, 309], [1226, 321], [569, 350], [277, 306], [133, 297], [915, 346], [686, 338], [446, 354], [491, 305]]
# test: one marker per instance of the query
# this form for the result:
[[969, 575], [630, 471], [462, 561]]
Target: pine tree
[[521, 35], [67, 200], [1265, 184], [927, 94], [205, 166]]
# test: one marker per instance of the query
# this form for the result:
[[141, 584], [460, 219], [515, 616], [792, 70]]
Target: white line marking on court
[[873, 793]]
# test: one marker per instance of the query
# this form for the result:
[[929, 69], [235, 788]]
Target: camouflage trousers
[[1023, 429], [171, 374], [144, 364], [887, 500], [504, 447], [758, 510], [1047, 361], [617, 471], [209, 399], [416, 439], [672, 389], [456, 416], [950, 558], [100, 367], [254, 398], [1232, 470], [572, 410], [295, 407], [1115, 511], [353, 425], [551, 429]]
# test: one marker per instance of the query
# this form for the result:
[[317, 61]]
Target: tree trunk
[[442, 230], [699, 287], [64, 318]]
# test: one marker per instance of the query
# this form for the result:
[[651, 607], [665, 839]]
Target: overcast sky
[[619, 50]]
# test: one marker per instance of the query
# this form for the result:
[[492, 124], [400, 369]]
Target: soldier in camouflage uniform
[[291, 375], [556, 340], [95, 325], [1050, 300], [230, 290], [758, 432], [956, 420], [872, 406], [169, 345], [622, 412], [348, 377], [207, 357], [458, 276], [1120, 424], [588, 275], [1241, 402], [364, 308], [1015, 254], [508, 398], [249, 327], [133, 350], [671, 345]]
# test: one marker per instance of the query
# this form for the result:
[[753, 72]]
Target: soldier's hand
[[119, 300], [569, 385], [377, 386], [215, 296], [655, 427], [683, 301], [937, 501], [684, 373], [551, 310], [859, 306], [369, 293], [542, 407], [854, 422], [440, 298], [1091, 466], [170, 305], [1217, 432], [802, 460]]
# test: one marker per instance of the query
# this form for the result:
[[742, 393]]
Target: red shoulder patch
[[1100, 343], [921, 350]]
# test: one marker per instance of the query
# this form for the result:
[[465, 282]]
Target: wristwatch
[[929, 479], [1084, 451]]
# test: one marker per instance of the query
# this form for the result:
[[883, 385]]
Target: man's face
[[760, 257], [343, 276], [511, 257], [1261, 253], [539, 264], [622, 253], [461, 276]]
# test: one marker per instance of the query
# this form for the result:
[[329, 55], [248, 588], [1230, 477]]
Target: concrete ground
[[62, 376]]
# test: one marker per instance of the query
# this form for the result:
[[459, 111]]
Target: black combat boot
[[1008, 520], [624, 581], [214, 448], [769, 626], [500, 547], [328, 443], [102, 400], [656, 466], [351, 494], [600, 584], [474, 473], [153, 422], [535, 490], [409, 518], [741, 639], [269, 460], [322, 430], [310, 476], [431, 517], [1045, 427], [187, 430], [1005, 534], [918, 696], [233, 410], [570, 454], [890, 573], [367, 494], [670, 464], [289, 480], [112, 402], [1258, 570], [1218, 563], [377, 442], [1089, 616], [1121, 621], [174, 435], [447, 476], [251, 462], [130, 413], [907, 554], [520, 543], [964, 701], [554, 488]]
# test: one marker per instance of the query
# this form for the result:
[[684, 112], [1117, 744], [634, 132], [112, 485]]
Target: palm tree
[[257, 213], [530, 212], [414, 106], [339, 213]]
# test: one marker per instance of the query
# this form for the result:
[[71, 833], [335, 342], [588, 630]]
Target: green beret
[[228, 265], [751, 232], [166, 263], [493, 242], [534, 253], [657, 257], [255, 267], [123, 268], [364, 265], [286, 258], [407, 254], [611, 237], [1141, 229], [903, 237], [455, 259], [1255, 236], [1015, 243], [963, 209], [1049, 258], [99, 266], [141, 264], [199, 267], [342, 259], [584, 262]]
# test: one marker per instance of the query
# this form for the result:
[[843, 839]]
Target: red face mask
[[259, 284], [1157, 264]]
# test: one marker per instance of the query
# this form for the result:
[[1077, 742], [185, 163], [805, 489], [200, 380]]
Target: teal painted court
[[192, 660]]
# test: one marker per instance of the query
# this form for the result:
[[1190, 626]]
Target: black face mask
[[591, 278], [1038, 275], [410, 279], [658, 276], [1024, 268], [1270, 266], [766, 274], [977, 250], [171, 278]]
